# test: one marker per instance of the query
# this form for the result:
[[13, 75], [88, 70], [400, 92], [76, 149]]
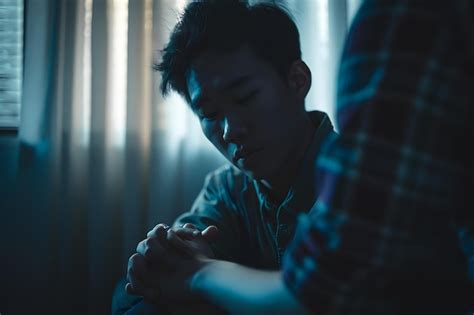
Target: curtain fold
[[139, 120], [95, 175], [323, 25]]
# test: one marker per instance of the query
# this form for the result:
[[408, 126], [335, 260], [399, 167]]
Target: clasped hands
[[163, 267]]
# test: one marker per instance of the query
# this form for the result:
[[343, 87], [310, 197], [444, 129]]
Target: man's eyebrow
[[235, 83]]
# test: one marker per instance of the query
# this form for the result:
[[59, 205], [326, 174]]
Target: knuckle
[[148, 253], [162, 225], [148, 243], [139, 246], [133, 260], [154, 230], [130, 263]]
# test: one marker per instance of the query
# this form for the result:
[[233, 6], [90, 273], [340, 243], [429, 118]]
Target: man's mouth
[[243, 153]]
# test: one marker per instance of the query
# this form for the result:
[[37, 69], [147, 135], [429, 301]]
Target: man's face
[[246, 110]]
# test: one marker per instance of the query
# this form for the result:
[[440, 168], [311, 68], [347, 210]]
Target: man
[[239, 68], [393, 229]]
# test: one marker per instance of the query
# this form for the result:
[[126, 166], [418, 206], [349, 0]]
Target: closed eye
[[247, 98], [208, 116]]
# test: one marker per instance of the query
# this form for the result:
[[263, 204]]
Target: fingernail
[[196, 233]]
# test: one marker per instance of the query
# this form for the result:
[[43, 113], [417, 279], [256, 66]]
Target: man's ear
[[299, 79]]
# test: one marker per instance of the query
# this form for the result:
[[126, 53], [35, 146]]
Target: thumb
[[210, 233]]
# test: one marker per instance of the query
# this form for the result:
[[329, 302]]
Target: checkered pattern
[[394, 222]]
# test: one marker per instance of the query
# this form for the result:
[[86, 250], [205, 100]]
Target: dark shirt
[[392, 230], [254, 231]]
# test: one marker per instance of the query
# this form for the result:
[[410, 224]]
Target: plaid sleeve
[[382, 236]]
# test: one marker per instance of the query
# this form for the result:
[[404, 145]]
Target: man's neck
[[279, 186]]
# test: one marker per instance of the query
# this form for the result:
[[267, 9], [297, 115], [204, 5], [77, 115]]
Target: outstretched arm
[[242, 290], [236, 288]]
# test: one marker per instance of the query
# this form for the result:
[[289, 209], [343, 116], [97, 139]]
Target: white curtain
[[103, 157], [323, 25]]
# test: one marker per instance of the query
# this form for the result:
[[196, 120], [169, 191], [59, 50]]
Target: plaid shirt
[[392, 231]]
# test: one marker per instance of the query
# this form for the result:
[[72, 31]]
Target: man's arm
[[235, 288], [242, 290]]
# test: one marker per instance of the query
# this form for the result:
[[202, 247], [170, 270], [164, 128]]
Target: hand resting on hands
[[165, 261]]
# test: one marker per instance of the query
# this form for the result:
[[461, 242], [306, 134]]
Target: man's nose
[[234, 130]]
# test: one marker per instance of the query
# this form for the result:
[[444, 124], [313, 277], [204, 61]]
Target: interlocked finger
[[136, 271], [158, 231]]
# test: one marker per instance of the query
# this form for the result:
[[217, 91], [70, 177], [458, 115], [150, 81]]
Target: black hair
[[225, 26]]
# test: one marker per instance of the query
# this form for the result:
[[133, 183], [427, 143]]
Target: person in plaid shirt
[[393, 229], [384, 236]]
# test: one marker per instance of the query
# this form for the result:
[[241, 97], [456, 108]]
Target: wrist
[[198, 279]]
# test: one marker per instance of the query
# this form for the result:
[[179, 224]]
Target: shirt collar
[[302, 193]]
